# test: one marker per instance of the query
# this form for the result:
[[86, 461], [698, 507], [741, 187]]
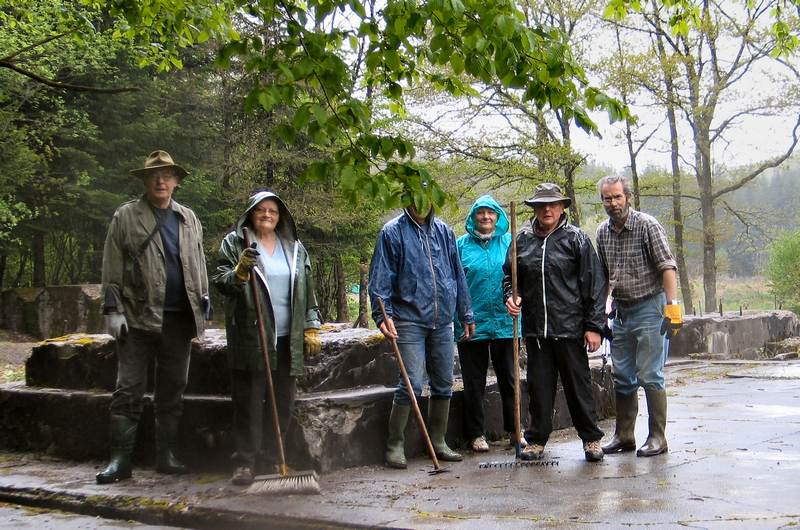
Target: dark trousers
[[547, 359], [252, 415], [171, 348], [474, 358]]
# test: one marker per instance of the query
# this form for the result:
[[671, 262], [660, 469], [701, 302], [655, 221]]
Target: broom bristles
[[302, 482]]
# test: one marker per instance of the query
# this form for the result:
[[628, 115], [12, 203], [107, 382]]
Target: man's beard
[[621, 215]]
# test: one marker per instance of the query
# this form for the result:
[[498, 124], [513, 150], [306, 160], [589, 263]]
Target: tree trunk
[[228, 137], [629, 133], [3, 263], [569, 172], [23, 264], [363, 303], [707, 213], [342, 313], [677, 213], [37, 246]]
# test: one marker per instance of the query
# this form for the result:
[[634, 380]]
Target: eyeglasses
[[269, 211], [608, 199]]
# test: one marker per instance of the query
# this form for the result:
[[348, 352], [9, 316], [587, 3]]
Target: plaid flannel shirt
[[634, 257]]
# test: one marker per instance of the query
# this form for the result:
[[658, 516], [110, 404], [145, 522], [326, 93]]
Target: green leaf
[[286, 133], [457, 63], [301, 117], [348, 177], [319, 114], [387, 148]]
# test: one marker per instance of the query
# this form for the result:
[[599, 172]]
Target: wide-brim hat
[[548, 192], [157, 160]]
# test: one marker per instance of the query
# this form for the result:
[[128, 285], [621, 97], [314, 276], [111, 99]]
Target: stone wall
[[52, 311], [339, 421], [733, 335]]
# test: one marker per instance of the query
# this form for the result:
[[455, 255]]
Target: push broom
[[284, 481], [517, 421]]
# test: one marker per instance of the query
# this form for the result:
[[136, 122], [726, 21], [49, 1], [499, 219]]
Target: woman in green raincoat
[[282, 269]]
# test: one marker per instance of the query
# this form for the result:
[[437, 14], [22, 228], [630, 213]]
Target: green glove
[[247, 260]]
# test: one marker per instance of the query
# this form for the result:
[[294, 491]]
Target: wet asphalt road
[[734, 462]]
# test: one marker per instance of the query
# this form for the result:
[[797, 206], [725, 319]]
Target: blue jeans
[[425, 349], [639, 350]]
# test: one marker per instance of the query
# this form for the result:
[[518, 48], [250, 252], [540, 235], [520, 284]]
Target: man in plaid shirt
[[642, 281]]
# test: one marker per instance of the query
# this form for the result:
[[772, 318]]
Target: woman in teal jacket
[[483, 251]]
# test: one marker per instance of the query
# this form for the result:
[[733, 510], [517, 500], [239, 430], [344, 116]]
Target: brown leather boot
[[623, 440], [656, 442]]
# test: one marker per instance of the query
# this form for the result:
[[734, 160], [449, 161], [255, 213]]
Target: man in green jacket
[[155, 296]]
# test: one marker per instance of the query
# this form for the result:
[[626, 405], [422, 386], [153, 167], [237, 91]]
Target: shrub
[[783, 270]]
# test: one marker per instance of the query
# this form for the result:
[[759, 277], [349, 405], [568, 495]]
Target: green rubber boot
[[438, 412], [627, 409], [656, 442], [123, 438], [166, 434], [395, 444]]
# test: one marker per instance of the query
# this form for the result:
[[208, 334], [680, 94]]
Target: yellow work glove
[[247, 260], [673, 320], [311, 341]]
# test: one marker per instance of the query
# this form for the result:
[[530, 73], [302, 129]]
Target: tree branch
[[65, 86], [775, 162], [8, 58]]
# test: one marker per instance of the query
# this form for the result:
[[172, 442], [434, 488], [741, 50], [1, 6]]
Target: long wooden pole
[[412, 396], [262, 339], [514, 293]]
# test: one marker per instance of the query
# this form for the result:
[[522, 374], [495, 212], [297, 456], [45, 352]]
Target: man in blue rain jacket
[[416, 272]]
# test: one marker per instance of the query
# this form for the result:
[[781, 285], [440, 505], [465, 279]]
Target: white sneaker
[[533, 452], [479, 445], [522, 442]]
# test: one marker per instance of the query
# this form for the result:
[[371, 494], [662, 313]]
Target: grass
[[11, 373], [747, 293]]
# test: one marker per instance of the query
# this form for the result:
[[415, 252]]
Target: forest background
[[341, 107]]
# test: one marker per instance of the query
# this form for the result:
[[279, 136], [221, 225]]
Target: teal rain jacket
[[483, 266]]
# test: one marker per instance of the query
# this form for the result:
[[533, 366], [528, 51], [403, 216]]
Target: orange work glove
[[673, 320], [311, 341]]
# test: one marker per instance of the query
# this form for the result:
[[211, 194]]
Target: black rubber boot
[[438, 412], [123, 438], [395, 444], [624, 440], [166, 434], [656, 442]]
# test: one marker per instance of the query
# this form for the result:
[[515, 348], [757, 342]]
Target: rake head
[[518, 463]]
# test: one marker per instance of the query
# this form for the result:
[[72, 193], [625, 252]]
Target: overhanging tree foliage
[[304, 67]]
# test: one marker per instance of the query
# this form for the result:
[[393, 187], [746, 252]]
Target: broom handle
[[514, 293], [262, 339], [411, 394]]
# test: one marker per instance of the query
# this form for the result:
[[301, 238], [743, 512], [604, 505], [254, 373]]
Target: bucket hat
[[548, 192], [157, 160]]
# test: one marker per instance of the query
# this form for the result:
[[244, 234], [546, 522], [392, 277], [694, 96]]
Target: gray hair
[[610, 180]]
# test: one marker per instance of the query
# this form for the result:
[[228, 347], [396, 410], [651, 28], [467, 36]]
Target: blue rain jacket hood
[[482, 261], [416, 272]]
